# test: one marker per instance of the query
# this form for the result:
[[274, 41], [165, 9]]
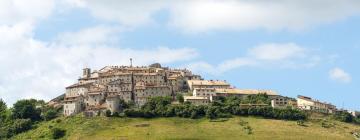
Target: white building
[[197, 100], [306, 103]]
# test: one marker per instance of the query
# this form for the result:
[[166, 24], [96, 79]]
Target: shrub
[[248, 129], [116, 114], [344, 117], [17, 126], [133, 113], [58, 120], [300, 123], [57, 133], [108, 113], [50, 114], [180, 98]]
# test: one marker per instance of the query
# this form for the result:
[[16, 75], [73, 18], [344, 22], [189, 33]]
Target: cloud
[[339, 75], [208, 15], [279, 55], [126, 12], [211, 15], [38, 69], [15, 11], [90, 36], [274, 51]]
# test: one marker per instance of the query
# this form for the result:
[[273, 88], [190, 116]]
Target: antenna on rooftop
[[130, 62]]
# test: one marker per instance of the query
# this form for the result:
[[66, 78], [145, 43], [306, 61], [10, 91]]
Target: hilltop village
[[100, 90]]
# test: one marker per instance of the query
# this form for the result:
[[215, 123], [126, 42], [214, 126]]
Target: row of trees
[[23, 115], [224, 107], [346, 117]]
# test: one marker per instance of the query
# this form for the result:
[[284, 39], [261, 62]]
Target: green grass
[[98, 128]]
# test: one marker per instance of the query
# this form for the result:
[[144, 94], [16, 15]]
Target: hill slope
[[179, 128]]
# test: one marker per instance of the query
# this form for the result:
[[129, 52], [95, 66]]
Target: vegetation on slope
[[222, 108], [33, 114], [98, 128]]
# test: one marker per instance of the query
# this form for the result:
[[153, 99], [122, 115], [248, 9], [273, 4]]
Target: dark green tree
[[57, 133], [108, 113], [26, 109], [3, 111], [180, 98], [50, 114]]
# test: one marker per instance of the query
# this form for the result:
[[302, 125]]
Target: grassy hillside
[[179, 128]]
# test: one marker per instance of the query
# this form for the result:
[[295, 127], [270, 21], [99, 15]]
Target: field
[[98, 128]]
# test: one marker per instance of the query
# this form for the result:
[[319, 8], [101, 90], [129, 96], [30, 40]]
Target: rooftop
[[195, 98], [208, 82], [245, 91]]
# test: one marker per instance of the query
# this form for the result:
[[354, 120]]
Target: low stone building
[[283, 102], [306, 103], [197, 100], [204, 92], [225, 92], [207, 84], [73, 105]]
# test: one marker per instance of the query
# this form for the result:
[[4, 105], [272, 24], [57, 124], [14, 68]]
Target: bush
[[17, 126], [248, 129], [344, 117], [300, 123], [50, 114], [116, 114], [133, 113], [326, 124], [221, 108], [180, 98], [57, 133], [108, 113]]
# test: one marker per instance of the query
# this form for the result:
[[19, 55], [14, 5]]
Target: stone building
[[102, 90], [207, 84], [283, 102], [306, 103], [197, 100], [243, 92]]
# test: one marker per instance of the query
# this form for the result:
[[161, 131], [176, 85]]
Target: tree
[[344, 117], [180, 98], [26, 109], [50, 114], [3, 111], [108, 113], [57, 133], [17, 126], [123, 105]]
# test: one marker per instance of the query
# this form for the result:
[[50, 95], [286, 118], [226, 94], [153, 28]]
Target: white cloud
[[37, 69], [14, 11], [276, 51], [338, 74], [127, 12], [90, 36], [286, 55], [207, 15]]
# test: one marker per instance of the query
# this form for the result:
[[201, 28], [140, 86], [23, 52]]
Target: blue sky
[[297, 47]]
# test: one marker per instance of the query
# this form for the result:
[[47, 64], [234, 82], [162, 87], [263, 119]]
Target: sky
[[293, 47]]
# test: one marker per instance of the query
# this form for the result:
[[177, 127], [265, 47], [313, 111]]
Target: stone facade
[[98, 91], [306, 103], [283, 102], [102, 90]]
